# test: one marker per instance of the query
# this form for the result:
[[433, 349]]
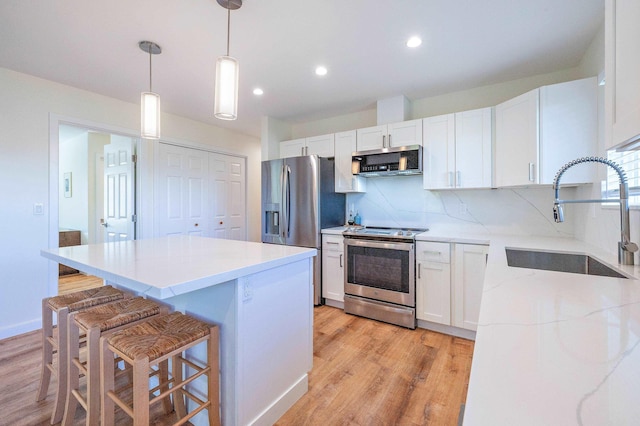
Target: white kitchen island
[[261, 295]]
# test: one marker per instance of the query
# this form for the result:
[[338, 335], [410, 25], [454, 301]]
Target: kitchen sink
[[575, 263]]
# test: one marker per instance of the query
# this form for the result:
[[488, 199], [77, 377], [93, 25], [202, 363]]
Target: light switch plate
[[38, 208]]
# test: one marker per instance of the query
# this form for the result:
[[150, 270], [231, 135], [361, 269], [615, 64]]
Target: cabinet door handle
[[458, 178], [383, 141], [451, 179], [389, 140], [341, 260], [419, 267], [306, 150], [331, 242], [532, 177]]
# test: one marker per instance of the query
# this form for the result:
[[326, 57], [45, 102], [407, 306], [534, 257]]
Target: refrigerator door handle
[[283, 208], [288, 200]]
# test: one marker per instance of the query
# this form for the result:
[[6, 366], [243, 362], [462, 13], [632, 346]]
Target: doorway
[[96, 196]]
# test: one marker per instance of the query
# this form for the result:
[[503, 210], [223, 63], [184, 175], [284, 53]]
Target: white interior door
[[228, 196], [119, 200], [182, 191]]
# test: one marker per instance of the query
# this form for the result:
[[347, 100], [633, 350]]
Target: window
[[630, 163]]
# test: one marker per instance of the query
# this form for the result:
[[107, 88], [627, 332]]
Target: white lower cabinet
[[433, 283], [333, 267], [470, 262], [449, 282]]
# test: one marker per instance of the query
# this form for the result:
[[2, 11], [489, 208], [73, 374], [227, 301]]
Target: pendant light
[[226, 92], [149, 101]]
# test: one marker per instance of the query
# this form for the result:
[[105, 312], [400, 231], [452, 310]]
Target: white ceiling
[[93, 45]]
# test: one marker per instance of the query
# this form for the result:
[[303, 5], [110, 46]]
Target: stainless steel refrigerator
[[298, 201]]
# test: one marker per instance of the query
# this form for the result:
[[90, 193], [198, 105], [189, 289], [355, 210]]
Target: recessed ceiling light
[[258, 91], [321, 71], [414, 41]]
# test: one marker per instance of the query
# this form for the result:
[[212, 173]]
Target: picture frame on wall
[[67, 182]]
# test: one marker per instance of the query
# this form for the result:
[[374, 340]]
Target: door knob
[[105, 224], [196, 225], [221, 222]]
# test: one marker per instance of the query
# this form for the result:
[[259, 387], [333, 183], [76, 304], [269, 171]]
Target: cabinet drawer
[[332, 242], [433, 252]]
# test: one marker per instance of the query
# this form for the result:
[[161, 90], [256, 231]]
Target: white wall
[[73, 210], [27, 105]]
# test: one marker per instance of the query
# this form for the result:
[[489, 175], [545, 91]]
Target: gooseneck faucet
[[626, 248]]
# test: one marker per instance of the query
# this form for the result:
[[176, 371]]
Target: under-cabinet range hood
[[398, 161]]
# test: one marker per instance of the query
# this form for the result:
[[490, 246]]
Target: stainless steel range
[[380, 274]]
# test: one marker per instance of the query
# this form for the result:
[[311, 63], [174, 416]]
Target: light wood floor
[[371, 373], [364, 373]]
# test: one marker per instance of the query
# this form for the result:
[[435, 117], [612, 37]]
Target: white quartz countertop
[[554, 348], [169, 266]]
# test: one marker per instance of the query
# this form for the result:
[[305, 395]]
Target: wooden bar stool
[[61, 306], [96, 322], [144, 346]]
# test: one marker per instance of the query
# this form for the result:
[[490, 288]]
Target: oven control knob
[[399, 233], [408, 233]]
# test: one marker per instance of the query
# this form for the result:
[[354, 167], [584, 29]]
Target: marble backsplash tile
[[402, 202]]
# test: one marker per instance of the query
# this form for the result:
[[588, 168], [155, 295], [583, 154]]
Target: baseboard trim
[[448, 329], [23, 327], [280, 406]]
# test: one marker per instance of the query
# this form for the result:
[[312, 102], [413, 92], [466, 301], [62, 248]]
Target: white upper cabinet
[[622, 72], [405, 133], [372, 138], [568, 129], [439, 154], [517, 140], [345, 145], [457, 150], [541, 130], [390, 135], [322, 146], [292, 148]]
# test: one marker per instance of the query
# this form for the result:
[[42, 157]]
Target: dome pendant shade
[[226, 90], [150, 113]]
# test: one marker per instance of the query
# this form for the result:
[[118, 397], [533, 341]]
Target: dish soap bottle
[[358, 219]]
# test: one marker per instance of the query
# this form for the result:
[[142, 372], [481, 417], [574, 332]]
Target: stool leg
[[141, 392], [163, 378], [93, 376], [47, 350], [107, 375], [178, 395], [63, 359], [213, 357], [73, 373]]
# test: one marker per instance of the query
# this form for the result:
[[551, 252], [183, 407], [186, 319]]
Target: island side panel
[[266, 337], [276, 344], [216, 304]]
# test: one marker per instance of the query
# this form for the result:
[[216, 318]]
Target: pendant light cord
[[150, 55], [228, 25]]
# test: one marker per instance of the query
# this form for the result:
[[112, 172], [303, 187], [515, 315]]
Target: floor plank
[[364, 373]]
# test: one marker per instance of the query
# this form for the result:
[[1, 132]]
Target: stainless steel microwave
[[404, 160]]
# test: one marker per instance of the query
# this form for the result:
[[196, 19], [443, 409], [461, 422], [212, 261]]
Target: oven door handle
[[388, 245]]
